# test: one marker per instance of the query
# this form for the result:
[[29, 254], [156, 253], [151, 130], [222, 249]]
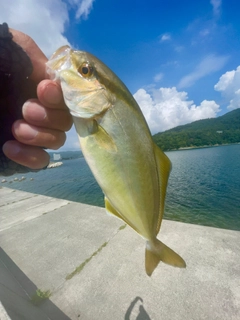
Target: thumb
[[37, 57]]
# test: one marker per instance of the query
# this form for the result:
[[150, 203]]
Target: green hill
[[207, 132]]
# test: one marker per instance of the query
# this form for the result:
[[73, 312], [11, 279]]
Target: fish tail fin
[[158, 251]]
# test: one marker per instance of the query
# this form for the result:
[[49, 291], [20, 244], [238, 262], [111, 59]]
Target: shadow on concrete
[[141, 313], [16, 290]]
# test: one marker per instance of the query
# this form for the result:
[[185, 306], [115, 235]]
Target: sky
[[179, 58]]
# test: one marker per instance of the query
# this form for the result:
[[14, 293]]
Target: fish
[[117, 144]]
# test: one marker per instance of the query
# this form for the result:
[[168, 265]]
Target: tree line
[[207, 132]]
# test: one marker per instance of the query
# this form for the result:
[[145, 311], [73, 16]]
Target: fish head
[[83, 79]]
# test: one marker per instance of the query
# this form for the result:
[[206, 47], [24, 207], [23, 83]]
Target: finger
[[35, 54], [50, 94], [36, 136], [36, 114], [28, 156]]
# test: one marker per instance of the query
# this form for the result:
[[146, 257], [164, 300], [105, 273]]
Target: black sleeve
[[15, 89]]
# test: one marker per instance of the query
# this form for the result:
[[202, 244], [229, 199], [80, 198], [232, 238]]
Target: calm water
[[204, 185]]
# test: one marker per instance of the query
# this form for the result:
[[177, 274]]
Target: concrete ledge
[[3, 313], [94, 266]]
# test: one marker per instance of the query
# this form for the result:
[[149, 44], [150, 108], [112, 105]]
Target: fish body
[[117, 145]]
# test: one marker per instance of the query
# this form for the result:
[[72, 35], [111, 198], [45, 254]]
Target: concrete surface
[[43, 240]]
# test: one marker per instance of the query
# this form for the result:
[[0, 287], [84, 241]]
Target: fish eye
[[86, 70]]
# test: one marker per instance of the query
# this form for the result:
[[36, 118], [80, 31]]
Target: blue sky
[[179, 59], [159, 37]]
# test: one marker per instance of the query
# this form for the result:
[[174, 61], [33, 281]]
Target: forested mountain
[[207, 132]]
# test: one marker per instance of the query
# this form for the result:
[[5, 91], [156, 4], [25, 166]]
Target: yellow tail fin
[[158, 251]]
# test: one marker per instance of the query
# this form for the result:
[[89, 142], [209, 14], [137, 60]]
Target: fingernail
[[52, 94], [11, 149], [24, 130], [33, 111]]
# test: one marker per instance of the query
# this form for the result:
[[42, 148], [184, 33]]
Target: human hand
[[45, 119]]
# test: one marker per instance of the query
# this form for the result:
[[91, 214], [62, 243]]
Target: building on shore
[[57, 157]]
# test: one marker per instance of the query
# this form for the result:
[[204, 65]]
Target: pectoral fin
[[104, 140], [93, 133], [164, 167]]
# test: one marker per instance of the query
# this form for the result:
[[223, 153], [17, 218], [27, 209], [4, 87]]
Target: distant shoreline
[[202, 147], [179, 149]]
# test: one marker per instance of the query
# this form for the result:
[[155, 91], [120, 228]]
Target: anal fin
[[164, 167], [110, 209]]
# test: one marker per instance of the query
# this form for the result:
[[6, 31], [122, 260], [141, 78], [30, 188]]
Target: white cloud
[[208, 65], [158, 77], [204, 32], [165, 37], [229, 86], [179, 49], [83, 7], [166, 108], [216, 6], [45, 21]]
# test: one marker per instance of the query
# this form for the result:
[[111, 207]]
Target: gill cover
[[84, 94]]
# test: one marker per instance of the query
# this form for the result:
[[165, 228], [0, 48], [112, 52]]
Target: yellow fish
[[118, 147]]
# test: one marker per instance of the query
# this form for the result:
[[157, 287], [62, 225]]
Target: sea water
[[204, 185]]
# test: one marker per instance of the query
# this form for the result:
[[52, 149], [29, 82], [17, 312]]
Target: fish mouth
[[60, 60], [60, 52], [75, 114]]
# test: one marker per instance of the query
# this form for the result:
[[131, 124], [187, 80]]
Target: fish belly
[[120, 155]]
